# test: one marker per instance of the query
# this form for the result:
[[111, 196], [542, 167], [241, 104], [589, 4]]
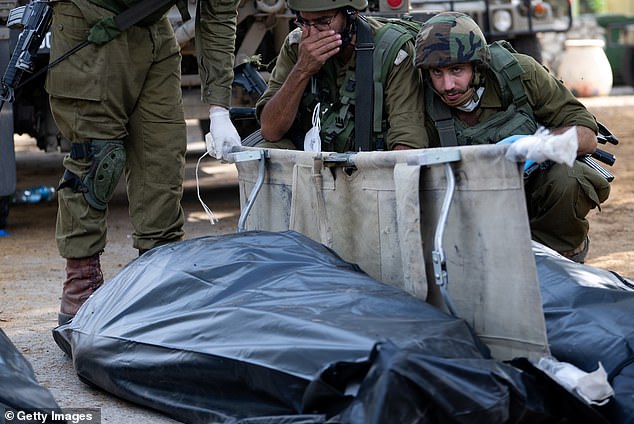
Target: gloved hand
[[222, 134]]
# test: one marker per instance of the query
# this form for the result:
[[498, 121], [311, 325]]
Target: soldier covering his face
[[316, 66]]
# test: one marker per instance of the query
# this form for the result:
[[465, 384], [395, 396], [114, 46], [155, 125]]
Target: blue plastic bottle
[[34, 195]]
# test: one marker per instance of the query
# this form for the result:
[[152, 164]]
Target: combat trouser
[[559, 199], [128, 91]]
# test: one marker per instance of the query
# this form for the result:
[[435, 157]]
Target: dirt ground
[[31, 272]]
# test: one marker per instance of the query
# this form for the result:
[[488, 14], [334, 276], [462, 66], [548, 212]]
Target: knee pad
[[108, 162]]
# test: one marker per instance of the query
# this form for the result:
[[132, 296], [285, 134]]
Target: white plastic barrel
[[585, 68]]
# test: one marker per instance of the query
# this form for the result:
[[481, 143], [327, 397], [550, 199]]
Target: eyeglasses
[[320, 24]]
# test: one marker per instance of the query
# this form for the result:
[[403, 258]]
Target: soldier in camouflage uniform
[[477, 93], [119, 102], [316, 64]]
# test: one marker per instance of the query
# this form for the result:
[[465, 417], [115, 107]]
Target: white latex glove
[[593, 387], [541, 146], [222, 134]]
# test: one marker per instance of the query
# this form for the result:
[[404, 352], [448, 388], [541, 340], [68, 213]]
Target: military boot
[[83, 277]]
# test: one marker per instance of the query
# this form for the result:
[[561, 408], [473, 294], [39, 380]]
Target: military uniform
[[124, 98], [403, 108], [519, 96], [560, 198]]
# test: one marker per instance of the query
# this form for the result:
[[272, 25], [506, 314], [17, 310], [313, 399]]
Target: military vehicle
[[262, 26]]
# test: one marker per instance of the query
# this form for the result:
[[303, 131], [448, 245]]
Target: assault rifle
[[604, 137], [247, 76], [34, 19]]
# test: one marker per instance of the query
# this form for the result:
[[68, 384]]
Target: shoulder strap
[[364, 88], [443, 119], [145, 8], [509, 72], [108, 28], [389, 40], [382, 50]]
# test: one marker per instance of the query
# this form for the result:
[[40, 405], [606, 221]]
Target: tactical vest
[[337, 105], [517, 118]]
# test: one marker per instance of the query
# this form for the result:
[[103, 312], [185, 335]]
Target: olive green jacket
[[216, 23]]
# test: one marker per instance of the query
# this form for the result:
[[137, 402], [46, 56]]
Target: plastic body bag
[[275, 328], [19, 389], [589, 320]]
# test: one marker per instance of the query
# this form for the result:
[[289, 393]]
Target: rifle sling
[[145, 8], [364, 89]]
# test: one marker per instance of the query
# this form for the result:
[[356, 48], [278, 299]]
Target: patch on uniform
[[400, 57]]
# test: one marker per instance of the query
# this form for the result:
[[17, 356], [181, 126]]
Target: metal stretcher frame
[[447, 225]]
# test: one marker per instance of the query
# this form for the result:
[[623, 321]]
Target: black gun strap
[[364, 89], [145, 8]]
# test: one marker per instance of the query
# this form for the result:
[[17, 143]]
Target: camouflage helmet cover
[[319, 5], [450, 38]]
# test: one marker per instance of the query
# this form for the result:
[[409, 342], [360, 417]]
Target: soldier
[[119, 102], [316, 65], [477, 93]]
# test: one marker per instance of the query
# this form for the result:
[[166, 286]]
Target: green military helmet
[[319, 5], [450, 38]]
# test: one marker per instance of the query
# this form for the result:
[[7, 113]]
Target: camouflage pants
[[559, 200], [127, 90]]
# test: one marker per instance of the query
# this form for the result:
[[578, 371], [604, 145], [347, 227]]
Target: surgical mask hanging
[[473, 101], [312, 140]]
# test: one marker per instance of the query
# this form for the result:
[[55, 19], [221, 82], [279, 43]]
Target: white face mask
[[473, 102]]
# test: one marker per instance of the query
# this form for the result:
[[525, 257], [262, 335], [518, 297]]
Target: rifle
[[605, 136], [247, 76], [34, 19]]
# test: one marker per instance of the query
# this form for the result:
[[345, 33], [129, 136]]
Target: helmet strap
[[350, 28]]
